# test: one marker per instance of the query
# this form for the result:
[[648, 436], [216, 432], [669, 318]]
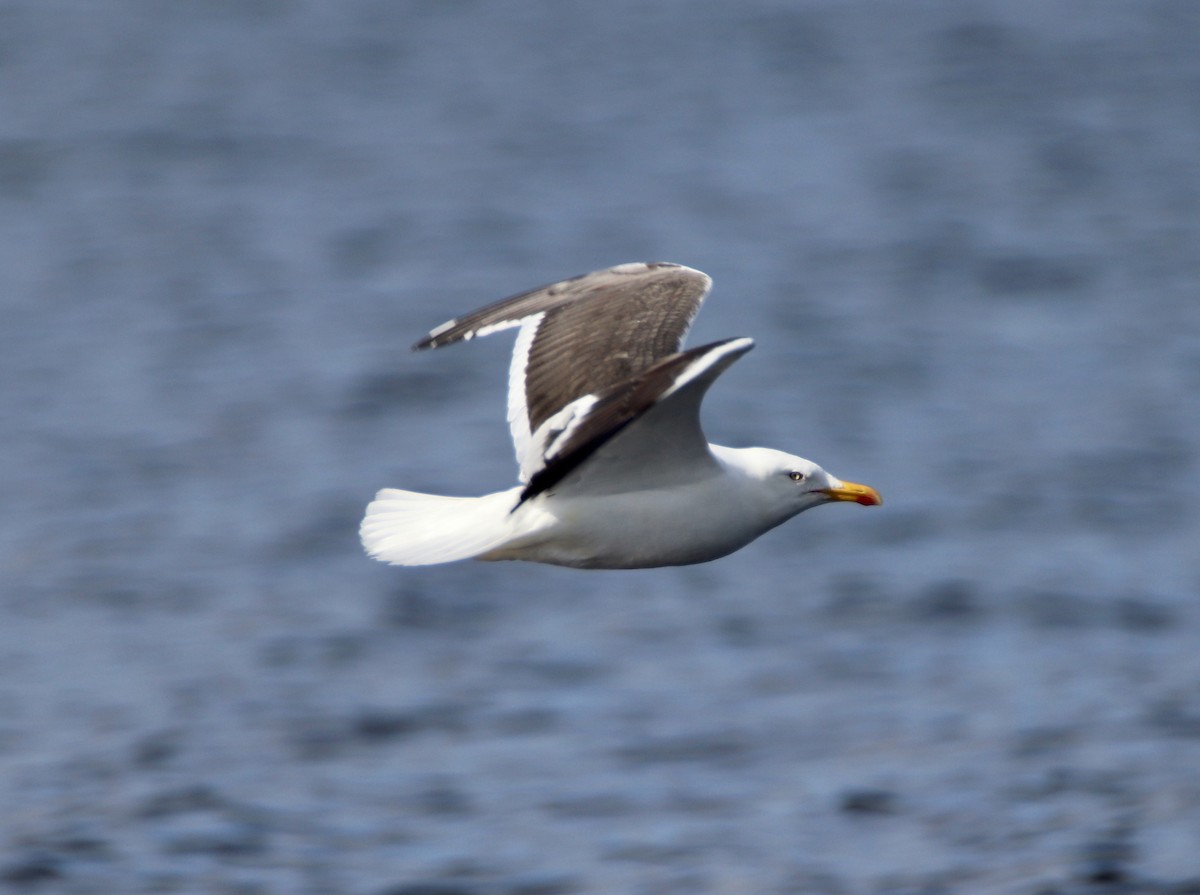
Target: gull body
[[616, 472], [750, 494]]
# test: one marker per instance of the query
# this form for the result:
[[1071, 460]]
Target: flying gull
[[604, 408]]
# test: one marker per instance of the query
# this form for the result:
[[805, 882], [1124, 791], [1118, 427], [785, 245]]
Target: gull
[[604, 410]]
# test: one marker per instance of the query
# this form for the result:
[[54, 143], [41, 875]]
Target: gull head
[[792, 484]]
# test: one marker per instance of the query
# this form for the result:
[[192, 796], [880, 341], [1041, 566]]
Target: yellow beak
[[864, 494]]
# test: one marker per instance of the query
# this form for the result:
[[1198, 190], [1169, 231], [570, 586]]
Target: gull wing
[[581, 338], [643, 433]]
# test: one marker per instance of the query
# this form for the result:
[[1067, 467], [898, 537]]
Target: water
[[965, 239]]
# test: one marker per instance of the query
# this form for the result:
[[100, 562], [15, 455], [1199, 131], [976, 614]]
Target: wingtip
[[736, 346], [431, 340]]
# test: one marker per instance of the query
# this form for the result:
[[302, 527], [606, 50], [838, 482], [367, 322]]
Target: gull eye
[[796, 476]]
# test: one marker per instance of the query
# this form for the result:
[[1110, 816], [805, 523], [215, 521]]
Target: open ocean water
[[966, 237]]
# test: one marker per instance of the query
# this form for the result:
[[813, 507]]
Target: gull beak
[[864, 494]]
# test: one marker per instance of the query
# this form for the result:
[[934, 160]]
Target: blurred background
[[966, 237]]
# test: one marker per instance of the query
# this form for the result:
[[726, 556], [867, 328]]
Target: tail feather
[[406, 528]]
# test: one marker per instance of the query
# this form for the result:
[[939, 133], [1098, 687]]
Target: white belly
[[641, 529]]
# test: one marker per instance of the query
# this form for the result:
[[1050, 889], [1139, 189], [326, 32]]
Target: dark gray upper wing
[[583, 336], [643, 433]]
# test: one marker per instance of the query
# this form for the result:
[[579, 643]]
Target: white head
[[792, 484]]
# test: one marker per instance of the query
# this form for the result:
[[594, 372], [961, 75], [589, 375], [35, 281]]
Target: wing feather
[[644, 429], [582, 336]]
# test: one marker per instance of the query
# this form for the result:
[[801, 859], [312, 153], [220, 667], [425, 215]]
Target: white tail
[[405, 528]]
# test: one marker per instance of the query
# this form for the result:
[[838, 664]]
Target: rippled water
[[965, 237]]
